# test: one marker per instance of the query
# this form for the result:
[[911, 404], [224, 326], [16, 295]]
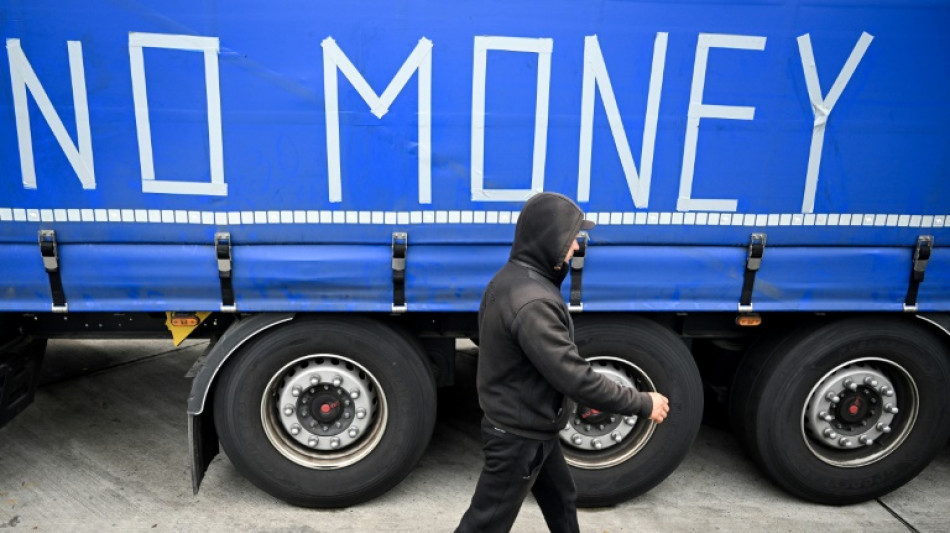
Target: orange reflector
[[750, 320], [184, 321]]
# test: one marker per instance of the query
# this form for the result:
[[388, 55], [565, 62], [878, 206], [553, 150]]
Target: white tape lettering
[[595, 74], [209, 46], [699, 110], [23, 78], [543, 48]]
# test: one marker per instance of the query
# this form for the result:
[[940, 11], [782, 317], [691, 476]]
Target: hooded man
[[527, 364]]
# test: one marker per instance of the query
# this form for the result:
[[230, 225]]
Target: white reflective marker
[[595, 75], [699, 110], [23, 78], [419, 60], [192, 43], [543, 48], [822, 106]]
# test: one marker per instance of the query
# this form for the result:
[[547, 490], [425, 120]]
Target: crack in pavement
[[150, 357], [897, 516]]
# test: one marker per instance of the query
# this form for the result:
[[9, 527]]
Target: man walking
[[527, 364]]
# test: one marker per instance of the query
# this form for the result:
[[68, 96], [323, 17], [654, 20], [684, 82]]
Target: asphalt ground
[[105, 447]]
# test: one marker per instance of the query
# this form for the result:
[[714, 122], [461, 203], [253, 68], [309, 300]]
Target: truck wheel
[[845, 412], [326, 412], [613, 457]]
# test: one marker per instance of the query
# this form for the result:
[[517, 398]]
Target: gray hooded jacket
[[527, 358]]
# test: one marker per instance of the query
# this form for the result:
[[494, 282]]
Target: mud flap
[[203, 439], [20, 362], [202, 435]]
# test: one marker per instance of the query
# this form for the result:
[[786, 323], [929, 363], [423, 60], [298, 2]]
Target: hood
[[547, 225]]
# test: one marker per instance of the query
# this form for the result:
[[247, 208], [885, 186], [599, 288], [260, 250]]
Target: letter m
[[420, 59]]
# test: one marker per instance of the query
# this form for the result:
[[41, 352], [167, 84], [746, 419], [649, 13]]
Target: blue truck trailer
[[323, 189]]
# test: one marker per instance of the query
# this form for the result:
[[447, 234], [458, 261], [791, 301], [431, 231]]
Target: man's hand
[[661, 407]]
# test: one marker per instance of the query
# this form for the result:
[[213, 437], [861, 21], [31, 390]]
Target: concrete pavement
[[109, 450]]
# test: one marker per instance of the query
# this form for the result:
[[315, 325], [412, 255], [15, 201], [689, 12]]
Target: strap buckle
[[49, 251], [753, 263], [756, 251], [400, 246], [575, 305], [922, 252], [222, 248]]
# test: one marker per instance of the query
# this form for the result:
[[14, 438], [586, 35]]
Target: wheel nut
[[353, 432], [883, 428], [576, 439], [616, 437], [295, 430], [337, 381], [630, 420], [295, 392], [825, 416], [596, 444], [830, 433], [288, 410], [613, 419], [313, 442], [870, 381], [832, 397], [890, 409], [887, 391], [346, 416], [863, 439], [600, 427], [314, 380], [845, 442], [334, 443], [355, 394], [850, 385], [361, 413]]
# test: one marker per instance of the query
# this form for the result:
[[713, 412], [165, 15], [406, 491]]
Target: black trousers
[[513, 466]]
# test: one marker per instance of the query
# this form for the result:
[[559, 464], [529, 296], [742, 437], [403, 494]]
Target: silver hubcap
[[324, 411], [595, 440], [860, 412]]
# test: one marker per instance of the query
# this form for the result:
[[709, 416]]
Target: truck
[[323, 190]]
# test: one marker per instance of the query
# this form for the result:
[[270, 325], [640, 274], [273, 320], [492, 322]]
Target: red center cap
[[325, 408], [854, 407]]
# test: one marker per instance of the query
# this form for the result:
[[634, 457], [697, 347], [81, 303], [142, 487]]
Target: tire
[[748, 371], [811, 408], [652, 358], [717, 360], [357, 446]]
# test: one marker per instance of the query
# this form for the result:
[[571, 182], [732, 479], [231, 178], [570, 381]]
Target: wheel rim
[[594, 440], [860, 412], [324, 411]]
